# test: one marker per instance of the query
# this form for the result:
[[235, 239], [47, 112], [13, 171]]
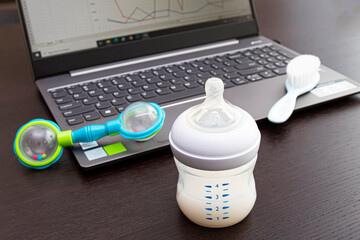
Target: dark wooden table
[[307, 174]]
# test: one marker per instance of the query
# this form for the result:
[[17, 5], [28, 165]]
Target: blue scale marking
[[208, 218], [226, 207], [225, 195], [208, 209], [225, 201], [225, 184], [208, 197], [208, 186], [209, 214], [208, 191], [208, 203], [226, 213], [225, 189], [226, 217]]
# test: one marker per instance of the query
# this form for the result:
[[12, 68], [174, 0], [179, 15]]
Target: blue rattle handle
[[95, 132]]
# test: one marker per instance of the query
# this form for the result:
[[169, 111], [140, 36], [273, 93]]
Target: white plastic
[[216, 198], [302, 76], [215, 147]]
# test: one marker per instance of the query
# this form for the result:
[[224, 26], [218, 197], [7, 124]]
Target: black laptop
[[92, 58]]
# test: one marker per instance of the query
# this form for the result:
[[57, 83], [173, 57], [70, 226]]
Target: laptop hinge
[[152, 58]]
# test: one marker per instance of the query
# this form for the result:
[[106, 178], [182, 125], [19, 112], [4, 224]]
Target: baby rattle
[[39, 143]]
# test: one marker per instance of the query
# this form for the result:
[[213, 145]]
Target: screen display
[[64, 26]]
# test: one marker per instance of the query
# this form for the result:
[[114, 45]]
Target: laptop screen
[[66, 35], [66, 26]]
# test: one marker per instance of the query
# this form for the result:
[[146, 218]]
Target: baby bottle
[[215, 147]]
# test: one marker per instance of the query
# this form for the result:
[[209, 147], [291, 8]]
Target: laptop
[[91, 59]]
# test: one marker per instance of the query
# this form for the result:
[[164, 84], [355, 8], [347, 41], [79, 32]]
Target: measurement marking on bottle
[[208, 218], [209, 214], [226, 217], [225, 189], [226, 213], [208, 209], [208, 203], [226, 207], [225, 195], [225, 184], [208, 186], [208, 191], [208, 197], [225, 201]]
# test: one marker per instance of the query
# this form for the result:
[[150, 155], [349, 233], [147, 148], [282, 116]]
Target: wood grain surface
[[307, 174]]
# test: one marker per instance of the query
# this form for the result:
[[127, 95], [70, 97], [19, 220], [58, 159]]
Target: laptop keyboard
[[90, 101]]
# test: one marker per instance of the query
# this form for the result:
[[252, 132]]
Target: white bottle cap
[[214, 135]]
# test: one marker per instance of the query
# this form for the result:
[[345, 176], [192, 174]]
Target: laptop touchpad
[[172, 111]]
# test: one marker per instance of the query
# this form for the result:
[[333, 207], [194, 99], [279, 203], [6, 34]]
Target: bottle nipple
[[214, 114]]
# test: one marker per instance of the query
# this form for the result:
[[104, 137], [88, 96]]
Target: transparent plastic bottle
[[215, 147]]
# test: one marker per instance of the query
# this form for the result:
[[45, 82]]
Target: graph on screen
[[62, 26], [139, 15]]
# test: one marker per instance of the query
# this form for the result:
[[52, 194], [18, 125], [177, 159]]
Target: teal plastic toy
[[39, 143]]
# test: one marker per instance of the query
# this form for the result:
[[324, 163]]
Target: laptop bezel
[[54, 65]]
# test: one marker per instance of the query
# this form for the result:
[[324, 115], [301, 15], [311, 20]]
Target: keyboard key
[[149, 94], [120, 94], [166, 77], [191, 78], [177, 88], [89, 101], [177, 81], [105, 97], [153, 80], [104, 84], [120, 108], [124, 86], [78, 111], [59, 94], [149, 87], [63, 100], [267, 74], [204, 75], [68, 106], [109, 89], [239, 81], [134, 91], [163, 84], [270, 66], [254, 77], [108, 112], [229, 69], [280, 71], [280, 64], [80, 96], [133, 98], [74, 120], [95, 92], [138, 83], [163, 91], [102, 105], [132, 77], [246, 65], [231, 75], [118, 101], [89, 87], [179, 74], [91, 116], [191, 85], [73, 90]]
